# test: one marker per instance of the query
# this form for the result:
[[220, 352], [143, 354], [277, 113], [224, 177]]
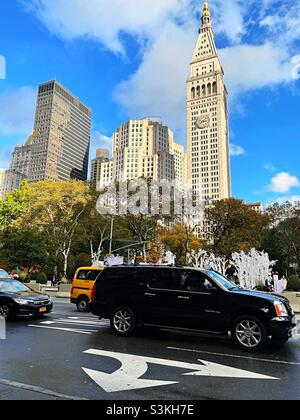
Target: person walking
[[284, 283]]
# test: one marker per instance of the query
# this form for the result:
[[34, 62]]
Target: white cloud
[[166, 32], [249, 67], [17, 111], [99, 141], [105, 20], [158, 86], [236, 150], [283, 183]]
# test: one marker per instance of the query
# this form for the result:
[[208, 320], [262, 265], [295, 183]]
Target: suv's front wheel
[[249, 333], [123, 321]]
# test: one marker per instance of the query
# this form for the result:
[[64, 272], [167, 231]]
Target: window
[[194, 281], [89, 275], [162, 279]]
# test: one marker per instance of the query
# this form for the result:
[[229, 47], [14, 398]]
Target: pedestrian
[[278, 285], [284, 283]]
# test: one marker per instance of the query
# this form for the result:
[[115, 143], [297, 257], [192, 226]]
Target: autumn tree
[[233, 227], [13, 205], [176, 239], [55, 208]]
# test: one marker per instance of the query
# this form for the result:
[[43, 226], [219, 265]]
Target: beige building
[[257, 207], [21, 157], [207, 119], [61, 135], [10, 180], [102, 156], [144, 149]]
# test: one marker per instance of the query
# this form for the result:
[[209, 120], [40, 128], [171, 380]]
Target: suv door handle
[[150, 294], [183, 297]]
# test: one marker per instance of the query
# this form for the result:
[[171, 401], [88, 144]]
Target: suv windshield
[[11, 286], [221, 280]]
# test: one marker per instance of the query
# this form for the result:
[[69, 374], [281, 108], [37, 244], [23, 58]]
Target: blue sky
[[129, 59]]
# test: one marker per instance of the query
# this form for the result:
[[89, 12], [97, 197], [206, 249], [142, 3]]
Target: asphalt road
[[67, 355]]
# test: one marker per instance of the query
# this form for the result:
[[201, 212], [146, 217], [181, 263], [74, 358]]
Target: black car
[[16, 299], [191, 300]]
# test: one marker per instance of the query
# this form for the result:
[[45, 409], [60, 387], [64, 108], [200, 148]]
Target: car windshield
[[11, 286], [221, 280], [3, 274]]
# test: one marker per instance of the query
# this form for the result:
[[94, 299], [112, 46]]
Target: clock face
[[203, 122]]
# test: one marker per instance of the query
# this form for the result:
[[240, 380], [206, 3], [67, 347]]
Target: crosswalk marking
[[78, 325]]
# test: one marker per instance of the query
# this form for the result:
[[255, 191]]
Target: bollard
[[2, 328]]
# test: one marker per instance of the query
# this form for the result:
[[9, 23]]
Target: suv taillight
[[93, 297]]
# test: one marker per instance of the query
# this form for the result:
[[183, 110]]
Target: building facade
[[61, 136], [102, 156], [21, 157], [144, 149], [207, 119]]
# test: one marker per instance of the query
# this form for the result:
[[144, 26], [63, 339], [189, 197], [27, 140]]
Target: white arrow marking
[[134, 367]]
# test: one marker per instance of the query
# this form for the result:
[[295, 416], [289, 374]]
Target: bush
[[293, 284], [41, 278]]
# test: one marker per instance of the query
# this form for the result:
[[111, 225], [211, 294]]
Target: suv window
[[163, 279], [88, 275], [193, 281]]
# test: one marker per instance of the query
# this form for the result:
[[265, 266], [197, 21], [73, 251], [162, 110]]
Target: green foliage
[[25, 247], [293, 284], [41, 278], [13, 205], [234, 227]]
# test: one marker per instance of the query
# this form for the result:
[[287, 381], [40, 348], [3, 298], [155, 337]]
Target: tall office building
[[61, 136], [102, 156], [207, 119], [21, 157], [144, 149]]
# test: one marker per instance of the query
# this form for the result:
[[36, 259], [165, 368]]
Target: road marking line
[[40, 390], [133, 368], [281, 362], [86, 332]]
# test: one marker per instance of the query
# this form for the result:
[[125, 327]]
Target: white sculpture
[[252, 269]]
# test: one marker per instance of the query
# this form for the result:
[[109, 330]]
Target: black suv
[[191, 300]]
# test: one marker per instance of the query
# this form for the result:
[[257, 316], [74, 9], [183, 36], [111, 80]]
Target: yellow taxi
[[82, 286]]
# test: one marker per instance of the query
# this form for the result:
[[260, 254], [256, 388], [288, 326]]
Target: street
[[67, 355]]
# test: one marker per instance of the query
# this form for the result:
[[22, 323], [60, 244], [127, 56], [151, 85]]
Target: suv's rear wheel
[[123, 321], [83, 304], [249, 333]]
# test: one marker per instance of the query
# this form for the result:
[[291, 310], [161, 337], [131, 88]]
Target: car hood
[[30, 295], [263, 295]]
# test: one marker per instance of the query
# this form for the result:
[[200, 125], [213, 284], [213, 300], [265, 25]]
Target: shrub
[[293, 284], [41, 278]]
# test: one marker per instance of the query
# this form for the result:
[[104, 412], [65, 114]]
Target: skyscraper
[[207, 118], [144, 149], [102, 155], [61, 136]]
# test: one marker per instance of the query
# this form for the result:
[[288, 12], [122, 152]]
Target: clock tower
[[207, 118]]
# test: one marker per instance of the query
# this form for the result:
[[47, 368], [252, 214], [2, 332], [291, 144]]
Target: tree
[[281, 236], [233, 227], [13, 205], [26, 248], [55, 209], [143, 228], [176, 239]]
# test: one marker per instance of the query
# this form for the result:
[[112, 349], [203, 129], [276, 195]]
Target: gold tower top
[[206, 11]]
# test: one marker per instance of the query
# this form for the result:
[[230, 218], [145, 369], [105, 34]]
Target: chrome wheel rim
[[122, 321], [249, 334], [4, 311]]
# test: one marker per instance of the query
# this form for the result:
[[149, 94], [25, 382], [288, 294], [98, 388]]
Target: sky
[[129, 59]]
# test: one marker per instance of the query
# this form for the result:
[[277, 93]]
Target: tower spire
[[206, 16]]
